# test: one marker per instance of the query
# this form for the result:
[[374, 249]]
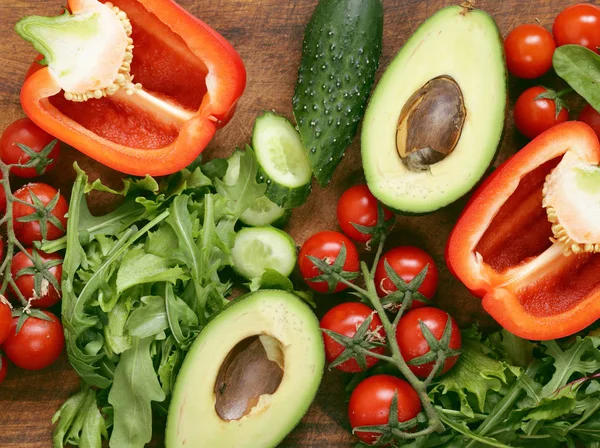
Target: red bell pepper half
[[510, 248], [143, 93]]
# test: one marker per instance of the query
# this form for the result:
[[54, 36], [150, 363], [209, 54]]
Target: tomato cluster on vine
[[31, 336], [400, 287]]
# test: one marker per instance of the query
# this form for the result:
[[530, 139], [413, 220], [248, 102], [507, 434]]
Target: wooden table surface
[[268, 35]]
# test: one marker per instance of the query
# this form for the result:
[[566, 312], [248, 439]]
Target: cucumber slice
[[259, 248], [282, 160], [265, 212]]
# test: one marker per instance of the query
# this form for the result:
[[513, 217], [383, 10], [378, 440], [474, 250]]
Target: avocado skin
[[340, 56]]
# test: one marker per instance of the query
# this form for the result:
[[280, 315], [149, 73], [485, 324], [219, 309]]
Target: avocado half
[[250, 376], [436, 117]]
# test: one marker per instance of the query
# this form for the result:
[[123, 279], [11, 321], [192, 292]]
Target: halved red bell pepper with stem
[[139, 85], [529, 240]]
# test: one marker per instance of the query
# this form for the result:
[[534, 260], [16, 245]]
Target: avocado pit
[[251, 370], [431, 123]]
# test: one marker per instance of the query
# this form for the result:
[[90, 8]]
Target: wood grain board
[[268, 35]]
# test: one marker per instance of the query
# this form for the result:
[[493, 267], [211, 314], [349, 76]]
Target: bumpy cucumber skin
[[340, 56], [286, 197]]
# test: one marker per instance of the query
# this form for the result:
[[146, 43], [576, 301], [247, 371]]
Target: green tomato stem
[[420, 387], [437, 367], [375, 355], [11, 239]]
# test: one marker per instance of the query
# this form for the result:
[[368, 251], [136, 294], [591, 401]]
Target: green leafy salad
[[139, 284]]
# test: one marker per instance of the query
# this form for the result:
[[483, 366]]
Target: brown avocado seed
[[254, 367], [430, 123]]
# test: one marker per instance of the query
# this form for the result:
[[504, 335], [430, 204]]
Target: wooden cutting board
[[268, 35]]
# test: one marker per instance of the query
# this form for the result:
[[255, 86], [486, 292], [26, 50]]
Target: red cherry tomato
[[28, 232], [326, 246], [371, 400], [580, 25], [407, 262], [412, 343], [3, 368], [27, 133], [358, 206], [37, 345], [49, 296], [534, 116], [345, 320], [5, 319], [529, 50], [591, 117]]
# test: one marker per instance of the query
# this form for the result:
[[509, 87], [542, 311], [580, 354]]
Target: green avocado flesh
[[249, 377], [462, 52]]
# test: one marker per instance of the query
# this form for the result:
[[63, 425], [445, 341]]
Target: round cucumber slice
[[282, 159], [263, 212], [259, 248]]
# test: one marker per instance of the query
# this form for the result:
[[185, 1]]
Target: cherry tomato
[[3, 368], [28, 232], [407, 262], [591, 117], [529, 50], [412, 343], [26, 283], [5, 319], [534, 116], [580, 25], [358, 206], [27, 133], [371, 400], [326, 246], [345, 320], [37, 345]]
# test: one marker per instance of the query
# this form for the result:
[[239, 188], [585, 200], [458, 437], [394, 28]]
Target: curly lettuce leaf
[[474, 373]]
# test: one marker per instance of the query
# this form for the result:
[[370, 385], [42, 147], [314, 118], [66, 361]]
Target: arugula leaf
[[215, 168], [115, 337], [171, 358], [184, 181], [272, 279], [246, 190], [183, 322], [163, 242], [135, 386], [518, 351], [80, 421], [139, 267], [150, 319], [462, 428], [580, 358]]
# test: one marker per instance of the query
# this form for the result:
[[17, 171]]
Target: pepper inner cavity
[[430, 124]]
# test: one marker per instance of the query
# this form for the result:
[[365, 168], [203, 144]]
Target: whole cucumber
[[340, 55]]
